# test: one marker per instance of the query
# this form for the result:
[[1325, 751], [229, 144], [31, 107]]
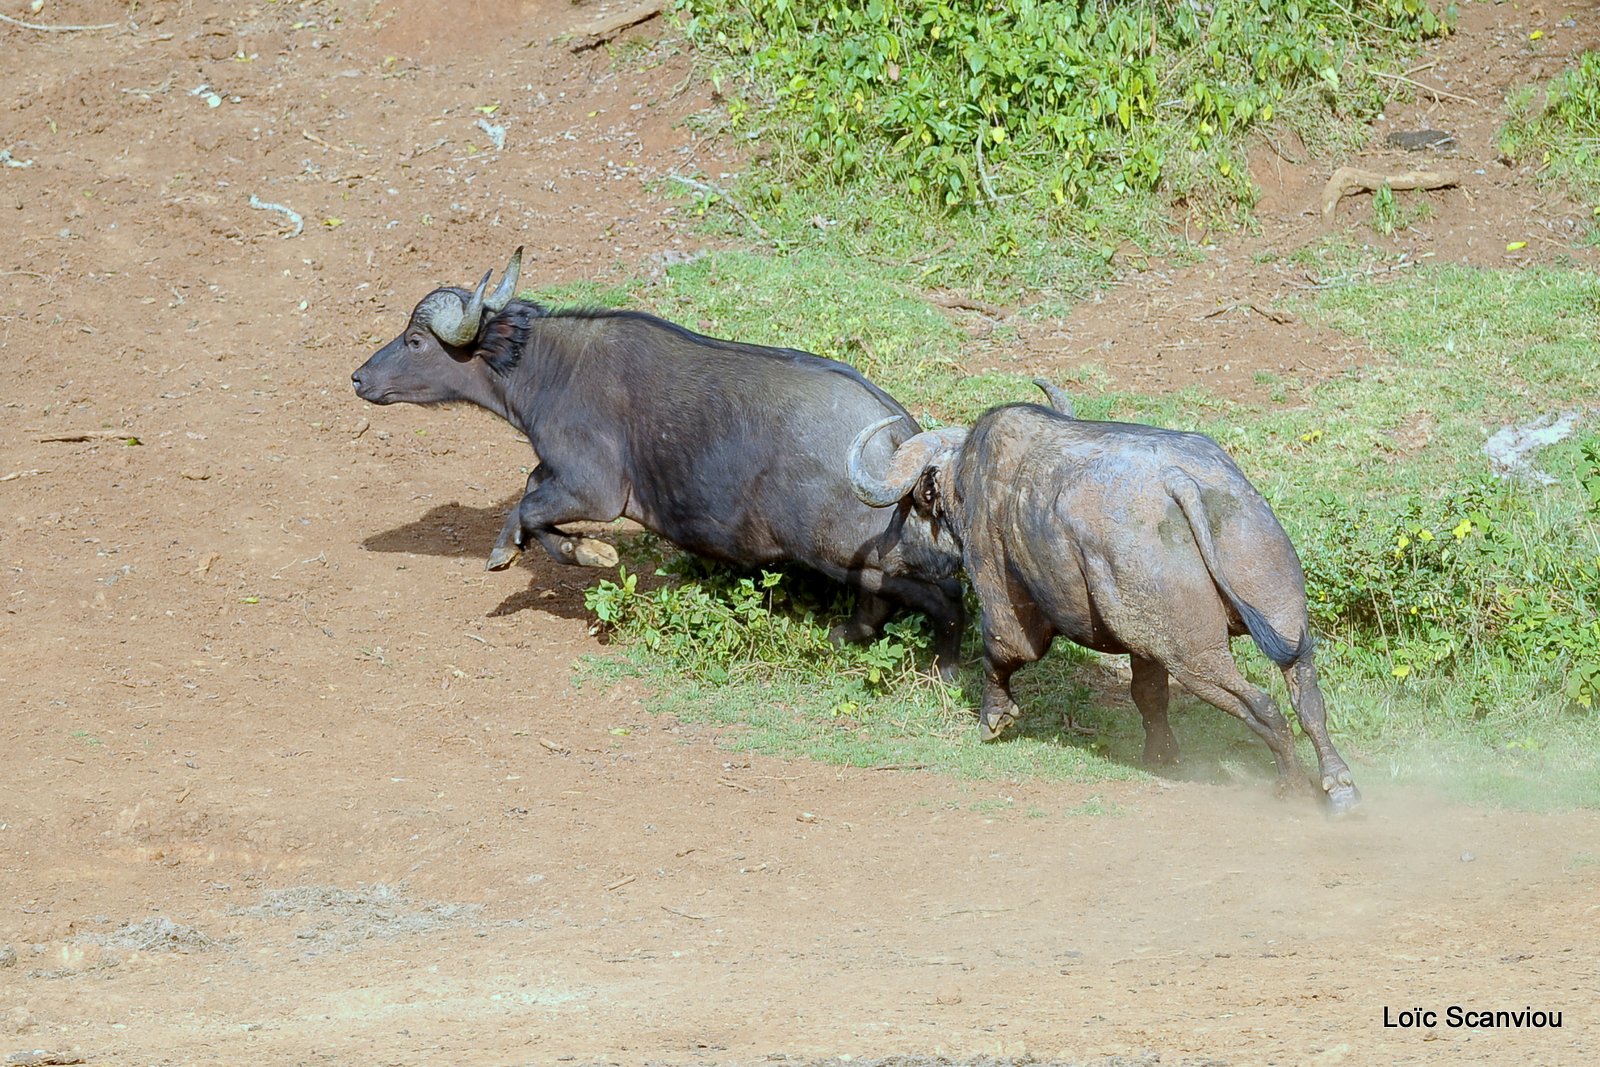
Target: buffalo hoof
[[587, 552], [1343, 796], [993, 729], [502, 557], [847, 634]]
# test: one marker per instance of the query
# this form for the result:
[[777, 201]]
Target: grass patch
[[1032, 142], [1558, 124]]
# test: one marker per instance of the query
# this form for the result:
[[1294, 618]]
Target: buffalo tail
[[1276, 647]]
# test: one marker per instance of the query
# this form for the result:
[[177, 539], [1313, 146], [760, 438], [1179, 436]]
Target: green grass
[[1557, 125], [1022, 148]]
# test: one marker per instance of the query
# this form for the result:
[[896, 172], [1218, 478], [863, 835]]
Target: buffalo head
[[428, 361], [917, 471]]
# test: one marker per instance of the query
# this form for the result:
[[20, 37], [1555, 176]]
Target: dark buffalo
[[734, 452], [1126, 539]]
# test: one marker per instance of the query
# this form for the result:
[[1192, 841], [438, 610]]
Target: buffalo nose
[[355, 379]]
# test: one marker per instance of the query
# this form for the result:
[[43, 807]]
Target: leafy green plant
[[1560, 127], [716, 625], [1384, 215], [1428, 582], [1059, 103]]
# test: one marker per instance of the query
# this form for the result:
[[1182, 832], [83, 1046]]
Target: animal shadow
[[1072, 701], [452, 529], [455, 530]]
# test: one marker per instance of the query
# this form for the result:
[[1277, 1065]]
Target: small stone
[[949, 993], [8, 956], [1468, 857], [19, 1020]]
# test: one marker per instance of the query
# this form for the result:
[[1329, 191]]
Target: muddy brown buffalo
[[734, 452], [1126, 539]]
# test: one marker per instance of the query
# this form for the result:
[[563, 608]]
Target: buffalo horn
[[508, 285], [441, 312], [905, 466], [1058, 396]]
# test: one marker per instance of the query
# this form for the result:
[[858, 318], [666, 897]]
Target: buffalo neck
[[534, 359]]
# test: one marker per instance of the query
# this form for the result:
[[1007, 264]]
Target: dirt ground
[[288, 778]]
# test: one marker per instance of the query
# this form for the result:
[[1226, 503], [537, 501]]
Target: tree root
[[1347, 180]]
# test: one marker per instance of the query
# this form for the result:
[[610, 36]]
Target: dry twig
[[598, 33], [57, 29], [1437, 94], [727, 198]]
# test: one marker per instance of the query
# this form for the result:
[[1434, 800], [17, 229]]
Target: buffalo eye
[[414, 342]]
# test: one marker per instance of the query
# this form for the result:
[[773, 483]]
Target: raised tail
[[1277, 648]]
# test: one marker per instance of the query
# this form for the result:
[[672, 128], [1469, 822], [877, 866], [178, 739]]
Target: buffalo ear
[[925, 494], [496, 344]]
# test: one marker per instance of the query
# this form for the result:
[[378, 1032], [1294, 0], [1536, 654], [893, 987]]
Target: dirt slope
[[288, 778]]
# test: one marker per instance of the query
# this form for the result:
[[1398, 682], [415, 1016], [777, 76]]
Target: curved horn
[[472, 317], [1058, 396], [508, 284], [874, 492], [905, 466], [442, 313]]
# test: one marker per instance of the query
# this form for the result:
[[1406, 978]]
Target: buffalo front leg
[[1150, 697], [1306, 696], [942, 603], [551, 502], [1015, 632], [999, 711], [865, 623], [508, 546]]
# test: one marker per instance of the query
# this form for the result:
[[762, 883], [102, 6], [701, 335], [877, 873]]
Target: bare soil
[[286, 777]]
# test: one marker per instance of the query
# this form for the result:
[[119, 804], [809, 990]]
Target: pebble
[[19, 1020]]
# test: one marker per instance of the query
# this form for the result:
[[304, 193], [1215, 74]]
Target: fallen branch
[[57, 29], [726, 197], [1437, 94], [1282, 318], [598, 33], [1359, 276], [80, 436], [1347, 180], [21, 474], [956, 302]]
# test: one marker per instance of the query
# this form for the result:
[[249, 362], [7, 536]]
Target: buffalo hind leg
[[1216, 680], [1150, 697], [550, 503], [1306, 696]]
